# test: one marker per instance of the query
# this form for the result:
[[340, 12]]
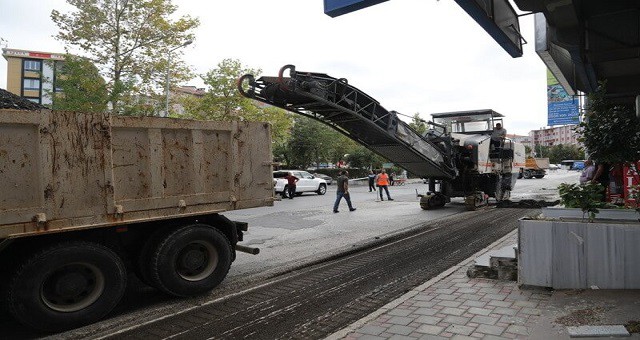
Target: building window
[[59, 67], [31, 84], [32, 65]]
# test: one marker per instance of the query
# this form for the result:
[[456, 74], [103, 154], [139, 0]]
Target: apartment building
[[554, 135], [32, 74]]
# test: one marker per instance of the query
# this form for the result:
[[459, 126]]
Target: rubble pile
[[9, 100]]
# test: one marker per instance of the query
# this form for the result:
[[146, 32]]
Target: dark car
[[326, 178]]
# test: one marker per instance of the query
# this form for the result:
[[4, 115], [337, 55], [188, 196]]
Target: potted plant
[[582, 201], [567, 252], [586, 197]]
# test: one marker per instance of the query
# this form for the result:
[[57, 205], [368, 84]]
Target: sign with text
[[631, 181], [562, 109]]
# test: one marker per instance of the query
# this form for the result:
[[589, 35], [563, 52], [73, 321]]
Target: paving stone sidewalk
[[453, 306]]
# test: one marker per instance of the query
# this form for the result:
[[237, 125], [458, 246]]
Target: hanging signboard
[[334, 8], [562, 109]]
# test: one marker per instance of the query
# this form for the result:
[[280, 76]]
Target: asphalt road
[[291, 235], [314, 302]]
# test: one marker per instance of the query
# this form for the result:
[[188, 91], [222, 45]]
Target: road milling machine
[[454, 156]]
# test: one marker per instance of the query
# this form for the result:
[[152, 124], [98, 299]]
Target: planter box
[[608, 214], [579, 255]]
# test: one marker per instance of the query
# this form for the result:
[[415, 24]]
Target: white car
[[307, 183]]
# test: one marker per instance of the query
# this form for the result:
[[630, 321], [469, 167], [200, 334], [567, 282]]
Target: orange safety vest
[[383, 179]]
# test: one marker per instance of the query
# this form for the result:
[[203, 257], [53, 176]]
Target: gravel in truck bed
[[9, 100]]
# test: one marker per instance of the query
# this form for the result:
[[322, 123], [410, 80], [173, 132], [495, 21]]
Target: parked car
[[326, 178], [307, 183]]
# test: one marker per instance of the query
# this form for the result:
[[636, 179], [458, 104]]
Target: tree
[[418, 124], [610, 132], [540, 150], [129, 41], [362, 157], [527, 150], [79, 86], [311, 142], [222, 101], [558, 153]]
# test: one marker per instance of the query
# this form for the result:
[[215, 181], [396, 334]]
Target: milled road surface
[[314, 302]]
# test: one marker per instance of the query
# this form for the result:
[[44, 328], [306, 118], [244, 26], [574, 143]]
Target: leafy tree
[[310, 142], [418, 123], [222, 101], [129, 41], [340, 146], [362, 157], [558, 153], [527, 150], [79, 86], [314, 142], [280, 120], [610, 132], [540, 150]]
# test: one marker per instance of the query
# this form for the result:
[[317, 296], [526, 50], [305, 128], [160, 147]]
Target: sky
[[413, 56]]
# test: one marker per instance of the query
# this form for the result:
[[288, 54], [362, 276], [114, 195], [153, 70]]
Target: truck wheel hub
[[197, 261], [72, 287]]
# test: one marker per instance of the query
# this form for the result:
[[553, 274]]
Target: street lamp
[[188, 42]]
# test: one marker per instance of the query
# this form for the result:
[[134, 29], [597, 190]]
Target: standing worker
[[372, 180], [383, 183], [343, 191], [291, 184]]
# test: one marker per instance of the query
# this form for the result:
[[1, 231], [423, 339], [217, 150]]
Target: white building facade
[[565, 134]]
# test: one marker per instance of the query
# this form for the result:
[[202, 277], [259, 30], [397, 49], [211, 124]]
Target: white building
[[565, 134]]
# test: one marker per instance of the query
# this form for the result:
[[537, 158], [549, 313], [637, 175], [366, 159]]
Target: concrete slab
[[597, 331], [507, 252]]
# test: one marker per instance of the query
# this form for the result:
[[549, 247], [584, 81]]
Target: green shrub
[[586, 197]]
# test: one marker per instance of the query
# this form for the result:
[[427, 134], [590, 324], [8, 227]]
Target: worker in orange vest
[[382, 180]]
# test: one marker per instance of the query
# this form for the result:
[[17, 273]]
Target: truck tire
[[539, 176], [322, 189], [67, 285], [142, 268], [191, 260], [527, 174]]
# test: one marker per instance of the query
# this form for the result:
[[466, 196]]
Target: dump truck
[[455, 154], [87, 198], [534, 167]]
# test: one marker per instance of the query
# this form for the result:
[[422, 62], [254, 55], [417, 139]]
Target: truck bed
[[67, 170]]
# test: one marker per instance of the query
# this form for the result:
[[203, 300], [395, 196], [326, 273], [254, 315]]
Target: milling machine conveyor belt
[[353, 113]]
